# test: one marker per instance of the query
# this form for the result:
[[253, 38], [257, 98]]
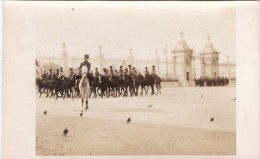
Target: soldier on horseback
[[126, 72], [50, 74], [116, 73], [146, 73], [96, 73], [61, 73], [105, 72], [72, 74], [153, 71], [134, 72], [121, 72], [130, 70], [44, 75], [111, 73], [84, 68]]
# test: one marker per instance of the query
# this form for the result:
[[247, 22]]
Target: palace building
[[184, 64]]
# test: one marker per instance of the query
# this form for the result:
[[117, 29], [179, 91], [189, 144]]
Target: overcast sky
[[142, 26]]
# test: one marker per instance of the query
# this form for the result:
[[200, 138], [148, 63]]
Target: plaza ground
[[177, 123]]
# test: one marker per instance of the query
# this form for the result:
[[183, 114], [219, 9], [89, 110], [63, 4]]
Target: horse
[[84, 88], [143, 84], [60, 87], [157, 82], [93, 85]]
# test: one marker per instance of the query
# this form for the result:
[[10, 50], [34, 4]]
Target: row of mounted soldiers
[[207, 81], [110, 83], [106, 72]]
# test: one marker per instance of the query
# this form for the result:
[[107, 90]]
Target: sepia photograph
[[130, 79], [138, 79]]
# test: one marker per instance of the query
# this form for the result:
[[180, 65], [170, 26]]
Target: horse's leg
[[82, 103], [86, 105]]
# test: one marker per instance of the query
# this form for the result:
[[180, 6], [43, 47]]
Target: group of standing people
[[207, 81]]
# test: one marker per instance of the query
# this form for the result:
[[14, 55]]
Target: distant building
[[184, 64]]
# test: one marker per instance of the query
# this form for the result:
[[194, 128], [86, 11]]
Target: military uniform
[[105, 72], [146, 73], [96, 73], [134, 72], [126, 72], [84, 68], [116, 73], [153, 71], [50, 74], [61, 72], [130, 70], [71, 74]]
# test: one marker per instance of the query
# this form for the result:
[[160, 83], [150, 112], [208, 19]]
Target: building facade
[[183, 65]]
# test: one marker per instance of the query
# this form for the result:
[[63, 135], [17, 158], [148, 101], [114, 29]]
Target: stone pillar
[[65, 59], [174, 67], [131, 57], [228, 69], [157, 59], [101, 59]]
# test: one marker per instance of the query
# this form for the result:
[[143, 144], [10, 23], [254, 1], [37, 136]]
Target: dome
[[181, 45], [209, 47]]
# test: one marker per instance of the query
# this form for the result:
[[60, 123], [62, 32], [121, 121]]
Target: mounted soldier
[[50, 74], [111, 73], [44, 75], [121, 72], [57, 73], [116, 73], [84, 69], [96, 73], [146, 73], [153, 71], [72, 74], [134, 72], [126, 72], [105, 72], [130, 70], [61, 73]]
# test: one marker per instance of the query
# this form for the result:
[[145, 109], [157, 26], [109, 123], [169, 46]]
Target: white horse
[[84, 88]]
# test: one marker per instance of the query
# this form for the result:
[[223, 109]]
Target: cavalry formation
[[109, 84]]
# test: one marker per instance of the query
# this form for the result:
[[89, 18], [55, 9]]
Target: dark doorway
[[188, 76]]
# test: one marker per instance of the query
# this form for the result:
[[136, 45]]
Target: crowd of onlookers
[[208, 81]]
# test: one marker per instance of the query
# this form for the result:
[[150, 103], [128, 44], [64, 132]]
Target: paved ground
[[177, 123]]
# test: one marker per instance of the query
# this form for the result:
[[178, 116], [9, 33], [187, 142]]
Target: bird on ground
[[45, 112], [66, 131], [81, 114], [128, 120], [201, 96], [150, 105], [212, 119]]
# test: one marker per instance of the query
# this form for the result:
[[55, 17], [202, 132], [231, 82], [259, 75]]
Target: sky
[[143, 26]]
